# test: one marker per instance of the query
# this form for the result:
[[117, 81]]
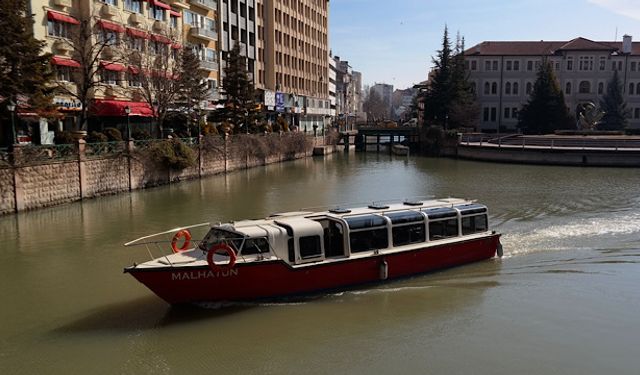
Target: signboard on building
[[65, 104], [280, 102], [269, 98]]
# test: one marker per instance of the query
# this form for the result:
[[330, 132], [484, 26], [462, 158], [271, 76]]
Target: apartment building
[[292, 68], [150, 27], [200, 33], [238, 21], [503, 73], [385, 92]]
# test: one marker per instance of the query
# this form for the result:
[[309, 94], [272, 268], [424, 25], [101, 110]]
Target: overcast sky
[[393, 41]]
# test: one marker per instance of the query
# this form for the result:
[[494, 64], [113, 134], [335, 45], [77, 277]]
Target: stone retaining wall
[[52, 183]]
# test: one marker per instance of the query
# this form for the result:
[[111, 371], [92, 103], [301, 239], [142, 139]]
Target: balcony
[[202, 33], [136, 18], [160, 26], [109, 10], [206, 4], [208, 65], [62, 47], [62, 3]]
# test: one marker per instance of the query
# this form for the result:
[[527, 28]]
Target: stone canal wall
[[43, 176]]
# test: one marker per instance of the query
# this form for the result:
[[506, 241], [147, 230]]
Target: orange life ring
[[187, 241], [220, 248]]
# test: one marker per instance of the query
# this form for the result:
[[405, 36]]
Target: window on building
[[514, 112], [494, 88], [134, 79], [584, 87], [638, 89], [631, 88], [63, 73], [515, 88], [110, 2], [636, 113], [108, 37], [494, 113], [529, 88], [487, 88], [157, 13], [473, 87], [109, 77], [133, 6], [509, 65], [585, 63], [634, 66], [494, 65], [136, 44], [487, 65], [474, 65], [507, 112], [569, 63], [529, 65], [600, 88], [603, 63], [485, 114], [507, 88], [516, 66], [59, 29], [567, 89]]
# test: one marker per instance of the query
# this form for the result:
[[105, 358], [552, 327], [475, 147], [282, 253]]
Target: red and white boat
[[298, 253]]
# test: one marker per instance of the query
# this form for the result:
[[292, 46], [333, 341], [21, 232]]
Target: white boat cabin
[[301, 238]]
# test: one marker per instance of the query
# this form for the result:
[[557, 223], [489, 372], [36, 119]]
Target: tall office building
[[292, 60], [238, 19]]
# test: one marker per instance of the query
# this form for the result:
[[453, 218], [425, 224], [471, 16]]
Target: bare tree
[[96, 46], [374, 107]]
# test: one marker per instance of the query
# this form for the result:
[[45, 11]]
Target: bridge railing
[[515, 141]]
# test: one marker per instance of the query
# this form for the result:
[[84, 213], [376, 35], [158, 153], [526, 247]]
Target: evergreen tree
[[613, 104], [449, 100], [24, 69], [239, 102], [546, 110], [439, 96], [194, 89]]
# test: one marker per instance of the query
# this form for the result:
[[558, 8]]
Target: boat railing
[[161, 243]]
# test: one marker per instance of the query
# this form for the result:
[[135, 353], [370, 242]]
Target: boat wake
[[581, 234]]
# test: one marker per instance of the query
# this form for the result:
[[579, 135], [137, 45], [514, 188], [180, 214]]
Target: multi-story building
[[333, 74], [239, 25], [385, 91], [200, 33], [150, 28], [292, 66], [503, 73]]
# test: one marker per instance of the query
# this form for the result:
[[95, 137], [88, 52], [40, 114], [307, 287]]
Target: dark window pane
[[255, 246], [473, 208], [361, 222], [481, 223], [452, 228], [369, 240], [408, 234], [440, 213], [310, 247], [468, 225], [405, 217]]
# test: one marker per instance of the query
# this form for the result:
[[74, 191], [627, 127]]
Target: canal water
[[565, 298]]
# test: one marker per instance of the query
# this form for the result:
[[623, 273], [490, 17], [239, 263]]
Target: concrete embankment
[[585, 156]]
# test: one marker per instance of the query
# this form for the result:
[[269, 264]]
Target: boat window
[[443, 229], [403, 217], [216, 236], [440, 213], [367, 240], [254, 246], [474, 224], [365, 221], [473, 208], [292, 250], [408, 234], [310, 247]]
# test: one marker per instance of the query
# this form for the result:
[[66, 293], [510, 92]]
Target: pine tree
[[440, 93], [464, 111], [194, 89], [24, 69], [546, 110], [613, 104], [239, 102]]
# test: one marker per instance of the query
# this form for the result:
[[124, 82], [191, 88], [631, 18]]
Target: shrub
[[173, 154], [63, 138], [140, 135], [113, 134], [97, 137]]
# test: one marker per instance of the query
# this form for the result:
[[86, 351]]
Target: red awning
[[160, 38], [134, 70], [56, 60], [112, 66], [176, 46], [116, 108], [137, 33], [111, 26], [174, 13], [159, 4], [61, 17]]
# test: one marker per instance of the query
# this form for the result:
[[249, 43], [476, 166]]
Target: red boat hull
[[271, 279]]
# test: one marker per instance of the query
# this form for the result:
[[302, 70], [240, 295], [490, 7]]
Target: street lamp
[[127, 110], [11, 107]]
